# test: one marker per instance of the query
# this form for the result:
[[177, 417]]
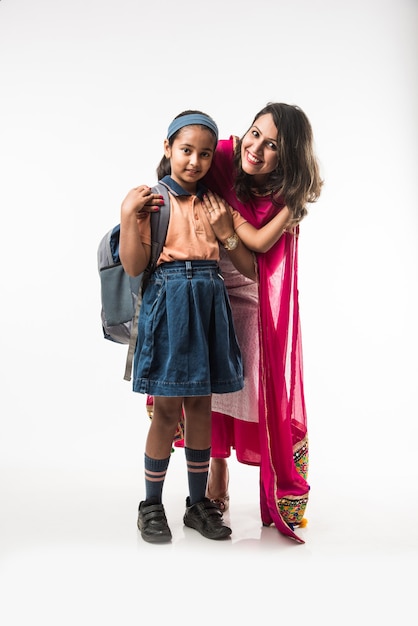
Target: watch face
[[232, 242]]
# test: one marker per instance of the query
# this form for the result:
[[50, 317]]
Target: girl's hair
[[164, 167], [296, 179]]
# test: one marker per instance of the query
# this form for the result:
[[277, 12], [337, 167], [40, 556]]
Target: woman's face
[[259, 148]]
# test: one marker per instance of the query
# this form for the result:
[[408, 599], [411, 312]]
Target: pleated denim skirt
[[187, 344]]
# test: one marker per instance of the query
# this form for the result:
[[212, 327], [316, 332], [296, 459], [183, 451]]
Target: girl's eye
[[205, 155], [255, 133], [272, 145]]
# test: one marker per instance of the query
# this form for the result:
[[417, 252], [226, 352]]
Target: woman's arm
[[244, 260], [258, 240], [261, 240]]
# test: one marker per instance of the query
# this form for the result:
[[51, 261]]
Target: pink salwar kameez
[[266, 422]]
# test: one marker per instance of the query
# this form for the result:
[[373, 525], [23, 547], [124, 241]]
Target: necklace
[[258, 191]]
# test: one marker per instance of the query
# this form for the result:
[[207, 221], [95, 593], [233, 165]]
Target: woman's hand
[[219, 215], [141, 200]]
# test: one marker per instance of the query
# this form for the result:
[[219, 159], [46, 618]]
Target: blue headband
[[191, 118]]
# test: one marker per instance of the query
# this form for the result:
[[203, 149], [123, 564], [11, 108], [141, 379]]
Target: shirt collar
[[177, 190]]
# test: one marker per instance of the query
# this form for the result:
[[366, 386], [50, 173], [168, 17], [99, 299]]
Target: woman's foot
[[218, 483]]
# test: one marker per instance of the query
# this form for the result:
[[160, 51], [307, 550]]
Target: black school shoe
[[206, 518], [152, 522]]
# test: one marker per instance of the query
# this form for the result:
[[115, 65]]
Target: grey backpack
[[121, 295]]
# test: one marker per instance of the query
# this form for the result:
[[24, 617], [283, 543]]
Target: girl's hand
[[141, 200], [219, 215]]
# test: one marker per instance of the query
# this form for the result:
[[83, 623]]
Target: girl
[[187, 347], [269, 176]]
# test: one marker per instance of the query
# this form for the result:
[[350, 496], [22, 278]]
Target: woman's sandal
[[221, 501]]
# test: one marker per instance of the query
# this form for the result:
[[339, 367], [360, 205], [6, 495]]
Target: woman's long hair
[[296, 179]]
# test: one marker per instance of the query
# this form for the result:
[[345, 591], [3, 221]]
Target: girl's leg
[[201, 514], [166, 414], [158, 444], [198, 427], [152, 521], [197, 444]]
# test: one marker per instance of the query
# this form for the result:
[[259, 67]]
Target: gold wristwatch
[[231, 242]]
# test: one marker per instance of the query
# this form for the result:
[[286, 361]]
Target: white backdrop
[[88, 88]]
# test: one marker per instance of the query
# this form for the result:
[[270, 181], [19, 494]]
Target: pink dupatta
[[282, 411]]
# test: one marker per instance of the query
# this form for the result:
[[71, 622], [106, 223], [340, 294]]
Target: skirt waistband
[[187, 264], [188, 268]]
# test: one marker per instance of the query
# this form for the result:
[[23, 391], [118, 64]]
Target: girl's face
[[259, 148], [190, 155]]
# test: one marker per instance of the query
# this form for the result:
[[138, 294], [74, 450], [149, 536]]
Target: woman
[[269, 176], [272, 169]]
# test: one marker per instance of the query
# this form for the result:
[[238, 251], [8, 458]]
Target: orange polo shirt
[[189, 236]]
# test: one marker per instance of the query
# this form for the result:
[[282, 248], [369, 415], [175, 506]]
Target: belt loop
[[189, 272]]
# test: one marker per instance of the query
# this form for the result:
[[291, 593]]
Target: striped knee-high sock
[[155, 471], [197, 473]]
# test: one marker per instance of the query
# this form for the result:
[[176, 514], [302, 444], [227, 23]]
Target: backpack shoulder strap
[[159, 226]]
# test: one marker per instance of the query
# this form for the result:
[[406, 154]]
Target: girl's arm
[[258, 240], [133, 253]]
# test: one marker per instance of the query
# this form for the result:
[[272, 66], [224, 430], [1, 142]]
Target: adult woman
[[272, 169]]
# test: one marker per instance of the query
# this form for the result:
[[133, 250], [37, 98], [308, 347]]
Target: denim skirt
[[186, 344]]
